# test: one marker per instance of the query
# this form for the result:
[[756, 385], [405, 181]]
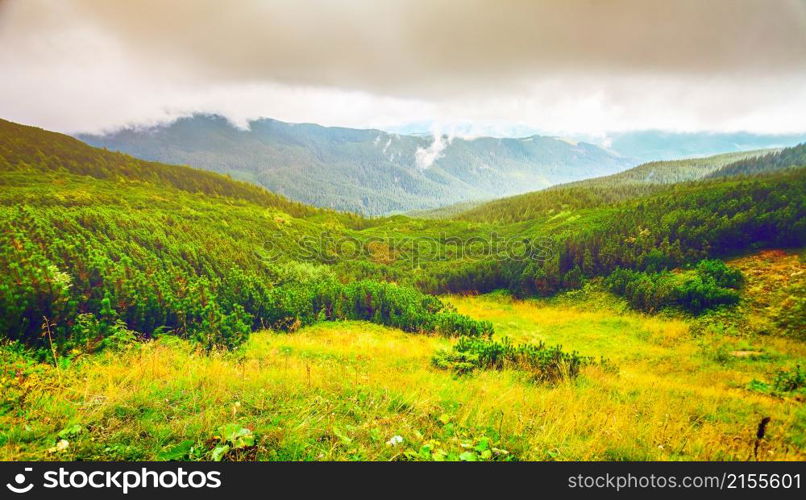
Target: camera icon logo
[[19, 481]]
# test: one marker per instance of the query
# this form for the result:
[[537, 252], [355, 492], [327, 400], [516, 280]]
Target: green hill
[[637, 181], [30, 149], [669, 172], [787, 158], [446, 212], [642, 180], [97, 245]]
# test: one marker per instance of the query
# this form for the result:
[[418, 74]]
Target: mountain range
[[370, 172], [640, 145]]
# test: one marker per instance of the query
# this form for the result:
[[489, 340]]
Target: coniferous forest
[[97, 242]]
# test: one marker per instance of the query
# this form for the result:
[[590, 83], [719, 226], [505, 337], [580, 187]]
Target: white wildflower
[[394, 441]]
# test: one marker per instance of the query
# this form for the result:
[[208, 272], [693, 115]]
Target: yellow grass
[[341, 391]]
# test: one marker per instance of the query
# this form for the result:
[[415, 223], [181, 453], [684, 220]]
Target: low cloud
[[425, 157]]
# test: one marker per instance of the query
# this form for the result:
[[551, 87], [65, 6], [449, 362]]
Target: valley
[[159, 312]]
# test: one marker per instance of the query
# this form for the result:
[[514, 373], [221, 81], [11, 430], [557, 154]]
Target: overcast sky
[[561, 66]]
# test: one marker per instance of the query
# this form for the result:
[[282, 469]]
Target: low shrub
[[722, 274], [220, 329], [296, 305], [790, 380], [45, 308], [546, 364], [712, 284], [784, 382], [92, 333], [698, 294]]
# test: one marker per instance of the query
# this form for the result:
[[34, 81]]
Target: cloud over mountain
[[554, 65]]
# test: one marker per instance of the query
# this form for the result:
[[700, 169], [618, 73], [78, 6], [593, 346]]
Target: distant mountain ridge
[[365, 171], [658, 145], [641, 145]]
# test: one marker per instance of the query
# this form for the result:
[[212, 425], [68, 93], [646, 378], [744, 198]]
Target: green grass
[[344, 390]]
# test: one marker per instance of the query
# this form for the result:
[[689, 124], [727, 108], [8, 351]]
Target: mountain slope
[[365, 171], [24, 148], [97, 241], [102, 252], [786, 158], [669, 172], [99, 244], [643, 180]]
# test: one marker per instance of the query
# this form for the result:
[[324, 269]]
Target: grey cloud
[[428, 48], [561, 66]]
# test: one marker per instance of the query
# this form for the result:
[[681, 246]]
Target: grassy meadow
[[675, 387]]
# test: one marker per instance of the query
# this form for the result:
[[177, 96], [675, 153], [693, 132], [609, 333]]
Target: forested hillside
[[678, 225], [642, 180], [787, 158], [365, 171], [98, 243], [668, 172]]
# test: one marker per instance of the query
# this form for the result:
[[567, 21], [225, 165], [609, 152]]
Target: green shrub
[[216, 307], [710, 286], [790, 380], [291, 306], [546, 364], [722, 275], [90, 333], [782, 383], [220, 329]]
